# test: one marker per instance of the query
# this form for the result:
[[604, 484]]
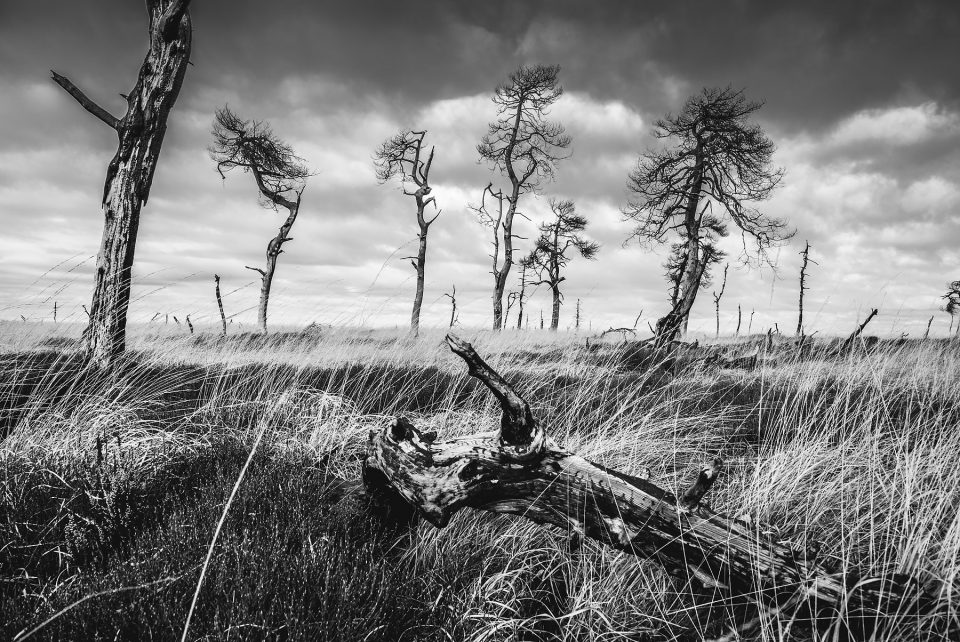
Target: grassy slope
[[113, 488]]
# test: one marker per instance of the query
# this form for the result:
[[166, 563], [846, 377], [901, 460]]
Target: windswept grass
[[111, 487]]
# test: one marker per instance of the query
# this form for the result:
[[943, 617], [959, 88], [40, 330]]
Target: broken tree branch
[[521, 471], [85, 101]]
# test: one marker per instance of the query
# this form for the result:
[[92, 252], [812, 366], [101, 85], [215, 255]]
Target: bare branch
[[85, 101]]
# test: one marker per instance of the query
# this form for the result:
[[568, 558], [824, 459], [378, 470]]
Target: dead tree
[[669, 326], [926, 334], [223, 318], [803, 285], [739, 319], [402, 155], [130, 173], [522, 298], [549, 255], [719, 164], [577, 324], [952, 306], [850, 341], [525, 146], [189, 324], [453, 305], [718, 296], [280, 176], [520, 470]]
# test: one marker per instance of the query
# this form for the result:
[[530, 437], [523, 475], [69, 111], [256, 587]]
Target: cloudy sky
[[862, 101]]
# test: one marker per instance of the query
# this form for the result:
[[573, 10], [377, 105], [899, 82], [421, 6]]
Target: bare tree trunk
[[926, 334], [849, 341], [520, 470], [717, 297], [274, 249], [750, 324], [453, 305], [421, 272], [189, 324], [223, 318], [739, 319], [130, 173], [803, 286], [555, 316], [577, 324]]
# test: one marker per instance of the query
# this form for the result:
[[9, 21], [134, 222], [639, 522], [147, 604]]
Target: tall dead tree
[[520, 470], [803, 285], [716, 165], [739, 319], [525, 146], [223, 318], [140, 133], [717, 296], [402, 155], [549, 255], [280, 176]]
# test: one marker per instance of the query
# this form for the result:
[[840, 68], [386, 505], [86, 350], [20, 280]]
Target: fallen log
[[520, 470]]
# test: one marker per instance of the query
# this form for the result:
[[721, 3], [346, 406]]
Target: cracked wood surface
[[519, 470]]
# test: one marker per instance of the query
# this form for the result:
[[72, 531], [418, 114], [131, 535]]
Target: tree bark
[[421, 272], [520, 470], [130, 173], [555, 316], [274, 249], [223, 318]]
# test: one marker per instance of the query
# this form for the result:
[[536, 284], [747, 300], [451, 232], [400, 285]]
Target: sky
[[862, 100]]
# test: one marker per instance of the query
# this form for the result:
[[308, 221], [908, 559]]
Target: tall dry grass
[[112, 486]]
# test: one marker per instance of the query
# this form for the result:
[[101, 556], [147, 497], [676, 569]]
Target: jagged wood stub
[[520, 470]]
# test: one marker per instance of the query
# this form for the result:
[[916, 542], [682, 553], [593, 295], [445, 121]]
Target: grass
[[111, 487]]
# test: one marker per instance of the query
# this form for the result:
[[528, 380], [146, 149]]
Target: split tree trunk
[[520, 470], [130, 173]]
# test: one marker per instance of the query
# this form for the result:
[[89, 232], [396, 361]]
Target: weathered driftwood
[[520, 470]]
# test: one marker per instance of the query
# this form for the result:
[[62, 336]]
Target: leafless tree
[[952, 306], [402, 155], [525, 146], [717, 296], [803, 284], [223, 318], [129, 177], [716, 165], [279, 173], [549, 256], [453, 305], [522, 298]]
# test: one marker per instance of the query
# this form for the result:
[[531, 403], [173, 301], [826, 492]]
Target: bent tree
[[280, 176], [140, 133], [715, 165], [402, 155], [520, 470], [525, 146], [952, 305], [549, 256]]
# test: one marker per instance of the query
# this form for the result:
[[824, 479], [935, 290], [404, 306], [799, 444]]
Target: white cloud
[[896, 125]]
